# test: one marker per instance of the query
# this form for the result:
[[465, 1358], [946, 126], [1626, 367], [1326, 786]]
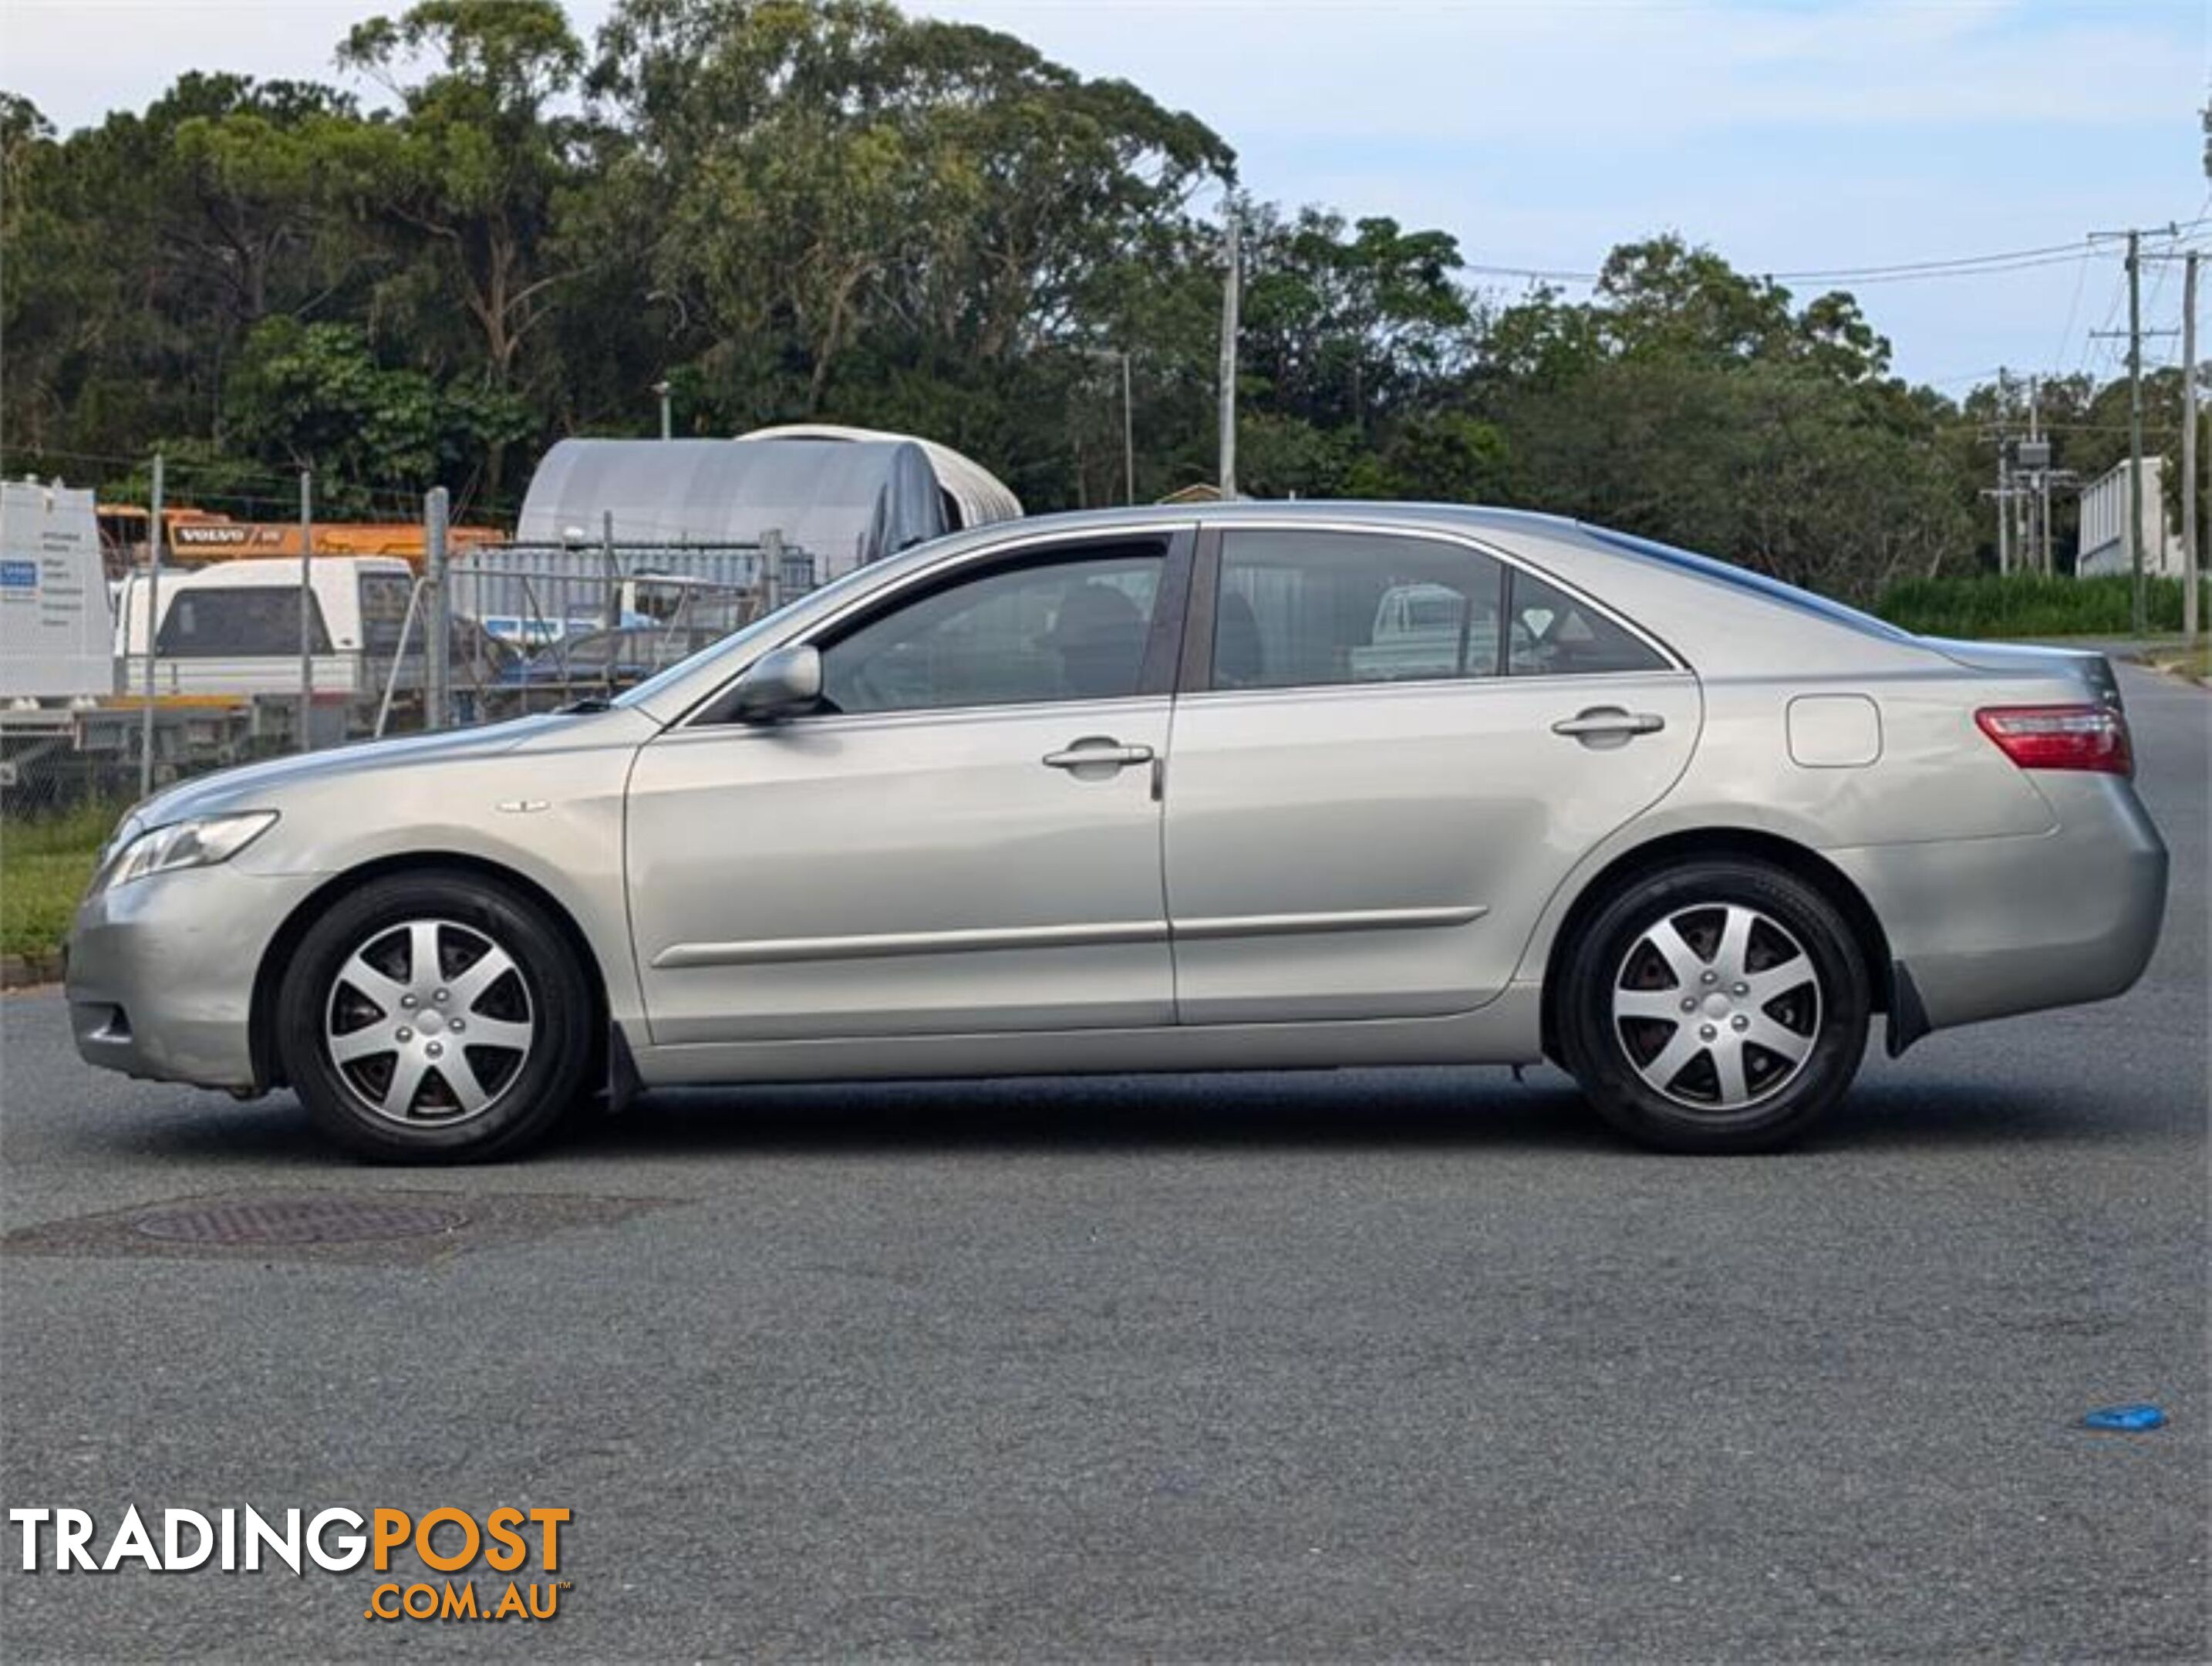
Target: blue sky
[[1788, 136]]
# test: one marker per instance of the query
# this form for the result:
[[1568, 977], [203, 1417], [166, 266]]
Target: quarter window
[[1551, 633], [1065, 630], [1318, 609]]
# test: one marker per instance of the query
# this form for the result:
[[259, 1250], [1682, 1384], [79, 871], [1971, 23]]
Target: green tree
[[1348, 327], [840, 188], [1689, 402], [313, 396], [472, 175]]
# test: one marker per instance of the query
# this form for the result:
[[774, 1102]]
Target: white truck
[[1422, 630], [233, 627]]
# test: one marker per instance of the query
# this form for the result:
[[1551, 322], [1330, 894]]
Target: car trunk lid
[[2092, 669]]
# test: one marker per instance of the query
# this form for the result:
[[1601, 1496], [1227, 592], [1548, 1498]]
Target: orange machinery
[[196, 536]]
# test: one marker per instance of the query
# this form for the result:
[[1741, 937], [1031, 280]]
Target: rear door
[[1389, 750]]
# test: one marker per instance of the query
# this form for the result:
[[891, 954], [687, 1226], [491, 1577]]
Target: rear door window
[[1317, 609]]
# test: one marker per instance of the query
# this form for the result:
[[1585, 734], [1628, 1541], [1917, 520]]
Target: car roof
[[1319, 510]]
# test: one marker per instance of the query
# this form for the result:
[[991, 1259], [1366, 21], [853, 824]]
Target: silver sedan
[[1251, 786]]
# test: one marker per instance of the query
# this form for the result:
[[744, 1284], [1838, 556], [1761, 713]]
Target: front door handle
[[1598, 724], [1098, 751]]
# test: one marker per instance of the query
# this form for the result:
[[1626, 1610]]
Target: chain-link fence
[[220, 661], [535, 624], [143, 646]]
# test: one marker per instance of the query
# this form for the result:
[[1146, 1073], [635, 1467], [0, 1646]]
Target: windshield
[[1789, 595]]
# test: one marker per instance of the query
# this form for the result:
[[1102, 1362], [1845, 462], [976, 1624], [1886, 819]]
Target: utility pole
[[667, 427], [2004, 475], [153, 622], [2138, 609], [2137, 613], [2191, 566], [437, 614], [2042, 478], [306, 609], [1232, 237], [2024, 463]]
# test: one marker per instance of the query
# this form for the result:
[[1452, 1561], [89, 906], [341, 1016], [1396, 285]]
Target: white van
[[233, 627]]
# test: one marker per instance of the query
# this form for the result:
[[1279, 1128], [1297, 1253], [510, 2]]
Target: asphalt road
[[1317, 1366]]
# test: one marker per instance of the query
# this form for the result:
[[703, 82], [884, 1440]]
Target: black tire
[[527, 1090], [1614, 1055]]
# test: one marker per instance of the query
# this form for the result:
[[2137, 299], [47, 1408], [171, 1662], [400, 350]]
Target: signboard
[[57, 624]]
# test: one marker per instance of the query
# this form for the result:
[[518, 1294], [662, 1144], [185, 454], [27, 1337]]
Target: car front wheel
[[1715, 1006], [434, 1017]]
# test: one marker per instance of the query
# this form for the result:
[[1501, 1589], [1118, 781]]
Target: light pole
[[1128, 416], [1233, 252], [667, 430], [1128, 434]]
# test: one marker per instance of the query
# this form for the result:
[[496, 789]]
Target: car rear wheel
[[434, 1017], [1715, 1006]]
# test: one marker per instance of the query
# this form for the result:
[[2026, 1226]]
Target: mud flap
[[623, 1083], [1908, 1019]]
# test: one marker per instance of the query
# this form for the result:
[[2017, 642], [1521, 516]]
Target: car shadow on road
[[1443, 1110], [1470, 1109]]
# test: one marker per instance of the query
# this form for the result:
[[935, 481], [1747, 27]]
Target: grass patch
[[2194, 663], [45, 863], [2029, 604]]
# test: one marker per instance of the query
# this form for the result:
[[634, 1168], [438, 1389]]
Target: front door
[[1391, 751], [965, 837]]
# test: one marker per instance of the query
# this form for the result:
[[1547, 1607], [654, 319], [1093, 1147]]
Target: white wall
[[2105, 524]]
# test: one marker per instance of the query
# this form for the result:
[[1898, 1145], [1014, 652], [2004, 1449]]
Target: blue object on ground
[[2128, 1418]]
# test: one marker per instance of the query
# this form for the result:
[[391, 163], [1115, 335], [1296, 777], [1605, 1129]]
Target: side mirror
[[781, 683]]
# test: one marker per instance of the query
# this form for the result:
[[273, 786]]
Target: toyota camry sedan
[[1253, 786]]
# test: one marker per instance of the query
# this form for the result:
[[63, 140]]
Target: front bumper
[[1989, 927], [161, 972]]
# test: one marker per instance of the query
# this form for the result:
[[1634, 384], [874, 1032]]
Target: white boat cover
[[845, 503], [978, 497]]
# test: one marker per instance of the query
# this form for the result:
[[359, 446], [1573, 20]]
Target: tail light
[[2060, 737]]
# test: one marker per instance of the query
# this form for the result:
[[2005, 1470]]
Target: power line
[[1929, 265], [220, 479], [2073, 311], [1864, 277], [1987, 266], [1958, 266], [1930, 273]]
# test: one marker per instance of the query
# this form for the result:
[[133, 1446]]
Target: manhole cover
[[295, 1220]]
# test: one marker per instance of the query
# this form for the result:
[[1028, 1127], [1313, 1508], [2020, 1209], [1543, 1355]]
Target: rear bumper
[[161, 973], [1987, 928]]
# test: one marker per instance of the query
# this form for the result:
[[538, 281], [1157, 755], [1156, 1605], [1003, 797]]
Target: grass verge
[[2193, 663], [45, 863], [2028, 605]]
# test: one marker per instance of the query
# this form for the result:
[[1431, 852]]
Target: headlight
[[199, 842]]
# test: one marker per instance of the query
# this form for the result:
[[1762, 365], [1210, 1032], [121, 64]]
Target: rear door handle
[[1608, 723], [1098, 751]]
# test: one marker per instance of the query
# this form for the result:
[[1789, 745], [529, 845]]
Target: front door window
[[1071, 629]]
